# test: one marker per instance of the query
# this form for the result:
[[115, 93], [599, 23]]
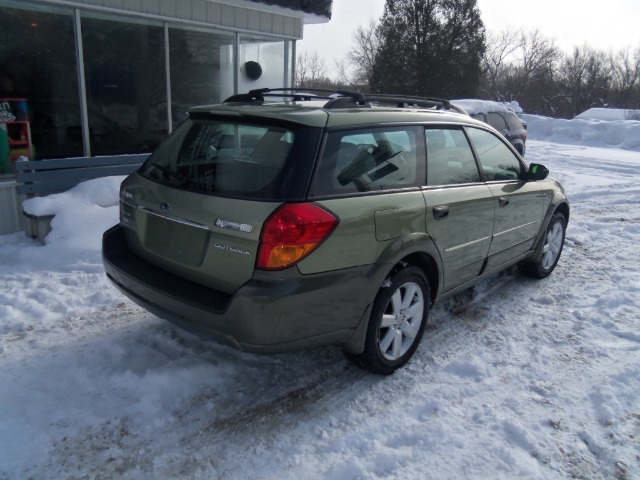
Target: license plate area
[[175, 239]]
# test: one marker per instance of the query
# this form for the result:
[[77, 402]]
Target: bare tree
[[585, 80], [521, 65], [537, 55], [625, 77], [311, 71], [363, 54], [501, 48]]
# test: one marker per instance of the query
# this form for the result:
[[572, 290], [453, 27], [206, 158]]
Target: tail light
[[291, 233]]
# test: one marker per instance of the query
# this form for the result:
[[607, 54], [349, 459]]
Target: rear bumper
[[273, 312]]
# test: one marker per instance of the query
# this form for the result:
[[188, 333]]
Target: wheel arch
[[559, 206], [564, 209], [415, 249], [425, 262]]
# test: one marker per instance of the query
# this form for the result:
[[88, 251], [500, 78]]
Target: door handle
[[440, 212], [503, 201]]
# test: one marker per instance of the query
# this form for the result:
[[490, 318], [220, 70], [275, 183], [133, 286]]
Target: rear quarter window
[[367, 160]]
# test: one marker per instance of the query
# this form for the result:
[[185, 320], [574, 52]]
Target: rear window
[[270, 162], [368, 160]]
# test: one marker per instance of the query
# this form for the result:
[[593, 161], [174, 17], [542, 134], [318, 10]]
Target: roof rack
[[343, 98], [336, 98], [404, 101]]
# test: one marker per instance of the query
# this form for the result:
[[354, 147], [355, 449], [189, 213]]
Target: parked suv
[[281, 220], [500, 117]]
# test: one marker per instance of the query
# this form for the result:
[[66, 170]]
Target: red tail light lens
[[291, 233]]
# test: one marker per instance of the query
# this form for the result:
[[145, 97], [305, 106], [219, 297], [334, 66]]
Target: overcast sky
[[610, 24]]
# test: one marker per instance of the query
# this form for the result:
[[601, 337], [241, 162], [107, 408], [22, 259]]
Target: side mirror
[[537, 172]]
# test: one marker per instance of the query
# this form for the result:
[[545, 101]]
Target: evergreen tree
[[429, 48]]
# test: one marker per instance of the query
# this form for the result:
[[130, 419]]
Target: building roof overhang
[[311, 11]]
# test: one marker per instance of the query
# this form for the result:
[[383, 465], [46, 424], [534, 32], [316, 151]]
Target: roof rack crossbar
[[405, 100]]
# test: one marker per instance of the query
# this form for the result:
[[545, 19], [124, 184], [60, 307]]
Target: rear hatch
[[197, 206]]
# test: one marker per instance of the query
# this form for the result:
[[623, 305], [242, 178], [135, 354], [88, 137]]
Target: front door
[[518, 204]]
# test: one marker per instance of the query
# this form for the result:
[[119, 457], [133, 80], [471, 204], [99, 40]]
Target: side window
[[513, 121], [370, 160], [450, 160], [497, 160], [496, 121]]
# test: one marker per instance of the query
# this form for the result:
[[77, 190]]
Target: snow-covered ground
[[516, 378]]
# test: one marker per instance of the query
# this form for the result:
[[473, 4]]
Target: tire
[[398, 317], [551, 249]]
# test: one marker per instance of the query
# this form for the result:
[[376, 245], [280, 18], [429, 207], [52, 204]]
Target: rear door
[[460, 207], [370, 178]]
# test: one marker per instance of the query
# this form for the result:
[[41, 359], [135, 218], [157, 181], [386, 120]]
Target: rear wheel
[[397, 321], [551, 249]]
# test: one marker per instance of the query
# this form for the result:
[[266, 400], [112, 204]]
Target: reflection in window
[[262, 63], [126, 89], [450, 160], [37, 63], [497, 160], [223, 158], [370, 160], [201, 69]]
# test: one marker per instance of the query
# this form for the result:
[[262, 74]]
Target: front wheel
[[551, 249], [397, 321]]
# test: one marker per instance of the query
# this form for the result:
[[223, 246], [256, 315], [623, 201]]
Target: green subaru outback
[[281, 220]]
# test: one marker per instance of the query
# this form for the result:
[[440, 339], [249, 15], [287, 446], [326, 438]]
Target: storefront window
[[263, 63], [125, 78], [125, 83], [201, 69], [39, 99]]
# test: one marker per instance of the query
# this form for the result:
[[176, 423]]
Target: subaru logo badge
[[165, 207]]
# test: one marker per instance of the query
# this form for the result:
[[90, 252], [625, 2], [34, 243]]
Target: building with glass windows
[[83, 78]]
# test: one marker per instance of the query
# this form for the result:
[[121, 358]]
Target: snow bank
[[81, 214], [597, 127], [42, 285], [609, 114], [624, 134]]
